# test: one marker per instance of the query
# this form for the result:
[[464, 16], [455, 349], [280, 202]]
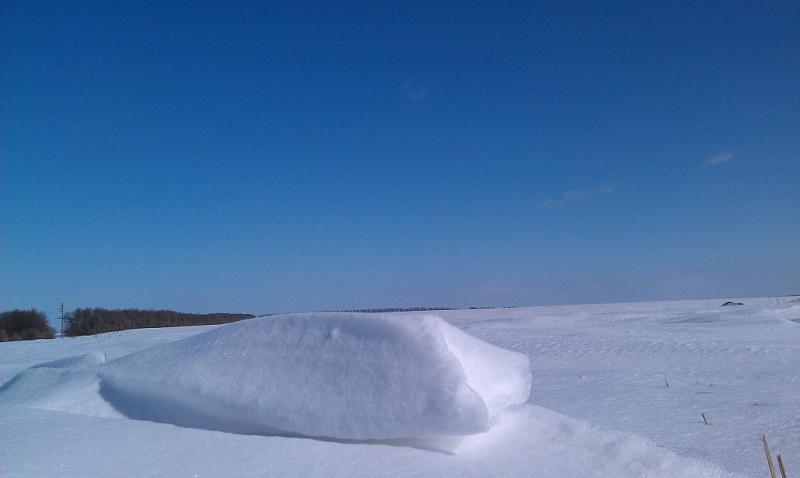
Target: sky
[[264, 157]]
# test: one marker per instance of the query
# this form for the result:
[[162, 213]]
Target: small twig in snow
[[769, 456], [780, 465]]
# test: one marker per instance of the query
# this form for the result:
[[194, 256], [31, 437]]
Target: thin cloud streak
[[719, 158], [572, 196], [575, 196], [607, 188], [414, 91]]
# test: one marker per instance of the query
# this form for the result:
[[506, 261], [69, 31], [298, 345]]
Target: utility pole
[[62, 320]]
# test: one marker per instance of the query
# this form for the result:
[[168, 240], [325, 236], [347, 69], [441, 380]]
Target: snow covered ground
[[599, 402]]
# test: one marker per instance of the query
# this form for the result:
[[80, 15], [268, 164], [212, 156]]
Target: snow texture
[[524, 442], [343, 376], [70, 384], [647, 370]]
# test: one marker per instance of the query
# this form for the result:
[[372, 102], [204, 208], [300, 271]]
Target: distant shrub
[[24, 325], [91, 321]]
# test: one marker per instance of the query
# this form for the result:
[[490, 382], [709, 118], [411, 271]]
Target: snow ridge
[[343, 376]]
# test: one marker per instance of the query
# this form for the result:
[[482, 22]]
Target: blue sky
[[260, 157]]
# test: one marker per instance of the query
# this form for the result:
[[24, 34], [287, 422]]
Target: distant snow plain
[[616, 390]]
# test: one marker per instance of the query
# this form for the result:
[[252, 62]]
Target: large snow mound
[[343, 376]]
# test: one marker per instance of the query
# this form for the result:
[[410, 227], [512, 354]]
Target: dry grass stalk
[[769, 456], [783, 468], [704, 418]]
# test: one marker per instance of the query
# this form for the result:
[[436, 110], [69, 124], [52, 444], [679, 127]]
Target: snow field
[[527, 441], [605, 365]]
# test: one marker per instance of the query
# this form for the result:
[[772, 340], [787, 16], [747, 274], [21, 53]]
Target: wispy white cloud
[[719, 158], [572, 196], [575, 196], [414, 91], [610, 188]]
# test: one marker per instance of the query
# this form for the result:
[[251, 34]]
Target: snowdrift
[[340, 376], [69, 384]]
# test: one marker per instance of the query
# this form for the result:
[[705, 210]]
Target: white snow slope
[[606, 366], [346, 376]]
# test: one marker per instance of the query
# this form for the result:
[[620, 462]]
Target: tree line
[[393, 309], [91, 321], [32, 324], [24, 325]]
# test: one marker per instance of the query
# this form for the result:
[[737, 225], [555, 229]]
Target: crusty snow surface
[[343, 376], [170, 402]]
